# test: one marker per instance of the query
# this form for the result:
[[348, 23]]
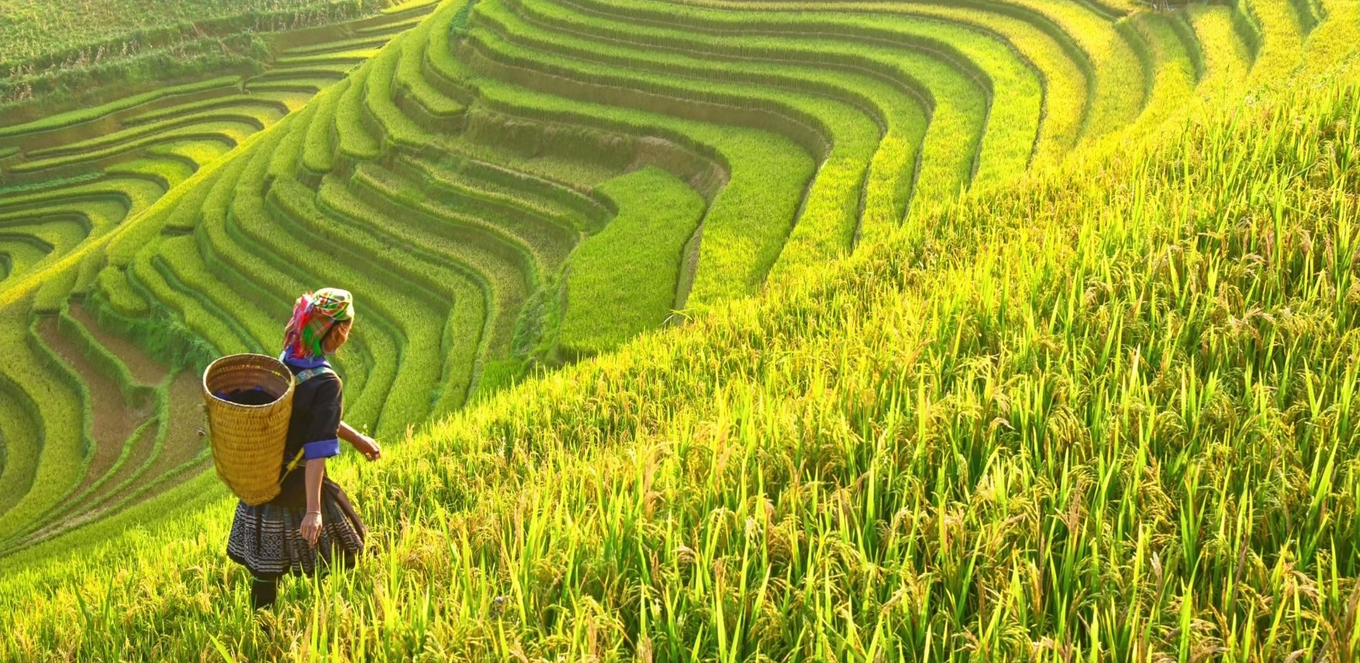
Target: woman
[[310, 523]]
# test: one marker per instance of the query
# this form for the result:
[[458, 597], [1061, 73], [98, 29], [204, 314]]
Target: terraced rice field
[[64, 52], [509, 186], [84, 433], [467, 170]]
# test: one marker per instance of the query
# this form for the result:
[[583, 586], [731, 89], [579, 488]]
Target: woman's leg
[[263, 591]]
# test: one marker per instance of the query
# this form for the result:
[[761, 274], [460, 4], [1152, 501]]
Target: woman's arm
[[361, 443], [311, 523]]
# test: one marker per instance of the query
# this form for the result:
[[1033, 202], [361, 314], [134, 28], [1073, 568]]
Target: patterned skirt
[[267, 540]]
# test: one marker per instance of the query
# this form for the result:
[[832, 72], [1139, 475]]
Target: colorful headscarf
[[314, 314]]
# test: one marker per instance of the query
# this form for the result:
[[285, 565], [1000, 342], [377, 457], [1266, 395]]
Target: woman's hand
[[368, 447], [311, 527], [361, 443]]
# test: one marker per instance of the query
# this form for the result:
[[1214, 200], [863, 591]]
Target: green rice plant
[[150, 213], [396, 129], [183, 309], [1067, 72], [466, 352], [342, 58], [374, 207], [1099, 412], [297, 82], [215, 209], [830, 204], [133, 193], [51, 232], [699, 100], [231, 102], [180, 282], [48, 184], [748, 219], [112, 284], [124, 103], [288, 252], [410, 78], [229, 133], [71, 35], [30, 92], [287, 158], [257, 116], [968, 28], [60, 405], [330, 73], [1328, 44], [1248, 28], [55, 233], [318, 150], [155, 331], [23, 253], [172, 462], [1012, 128], [573, 198], [1113, 57], [484, 289], [642, 247], [86, 274], [828, 222], [497, 252], [441, 69], [105, 397], [210, 198], [167, 172], [542, 224], [390, 27], [352, 44], [22, 427], [145, 182], [1189, 42], [1173, 74], [1309, 14], [354, 139], [133, 522], [37, 218], [231, 255], [56, 287], [539, 244], [105, 361], [1060, 414], [301, 208], [577, 155], [79, 510], [409, 5], [199, 153], [250, 309], [286, 223], [292, 100]]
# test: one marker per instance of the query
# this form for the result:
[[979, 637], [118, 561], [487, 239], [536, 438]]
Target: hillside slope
[[56, 52], [472, 173], [1107, 414], [94, 419]]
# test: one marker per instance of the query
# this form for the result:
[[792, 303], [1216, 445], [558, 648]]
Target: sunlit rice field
[[715, 330]]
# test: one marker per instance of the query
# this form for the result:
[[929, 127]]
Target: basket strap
[[310, 373], [301, 377], [292, 464]]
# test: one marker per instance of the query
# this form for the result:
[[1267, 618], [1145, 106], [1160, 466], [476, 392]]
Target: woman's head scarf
[[314, 314]]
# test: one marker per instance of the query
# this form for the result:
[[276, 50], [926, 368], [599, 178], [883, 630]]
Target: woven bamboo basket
[[248, 440]]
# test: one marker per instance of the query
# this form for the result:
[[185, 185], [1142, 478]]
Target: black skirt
[[267, 540]]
